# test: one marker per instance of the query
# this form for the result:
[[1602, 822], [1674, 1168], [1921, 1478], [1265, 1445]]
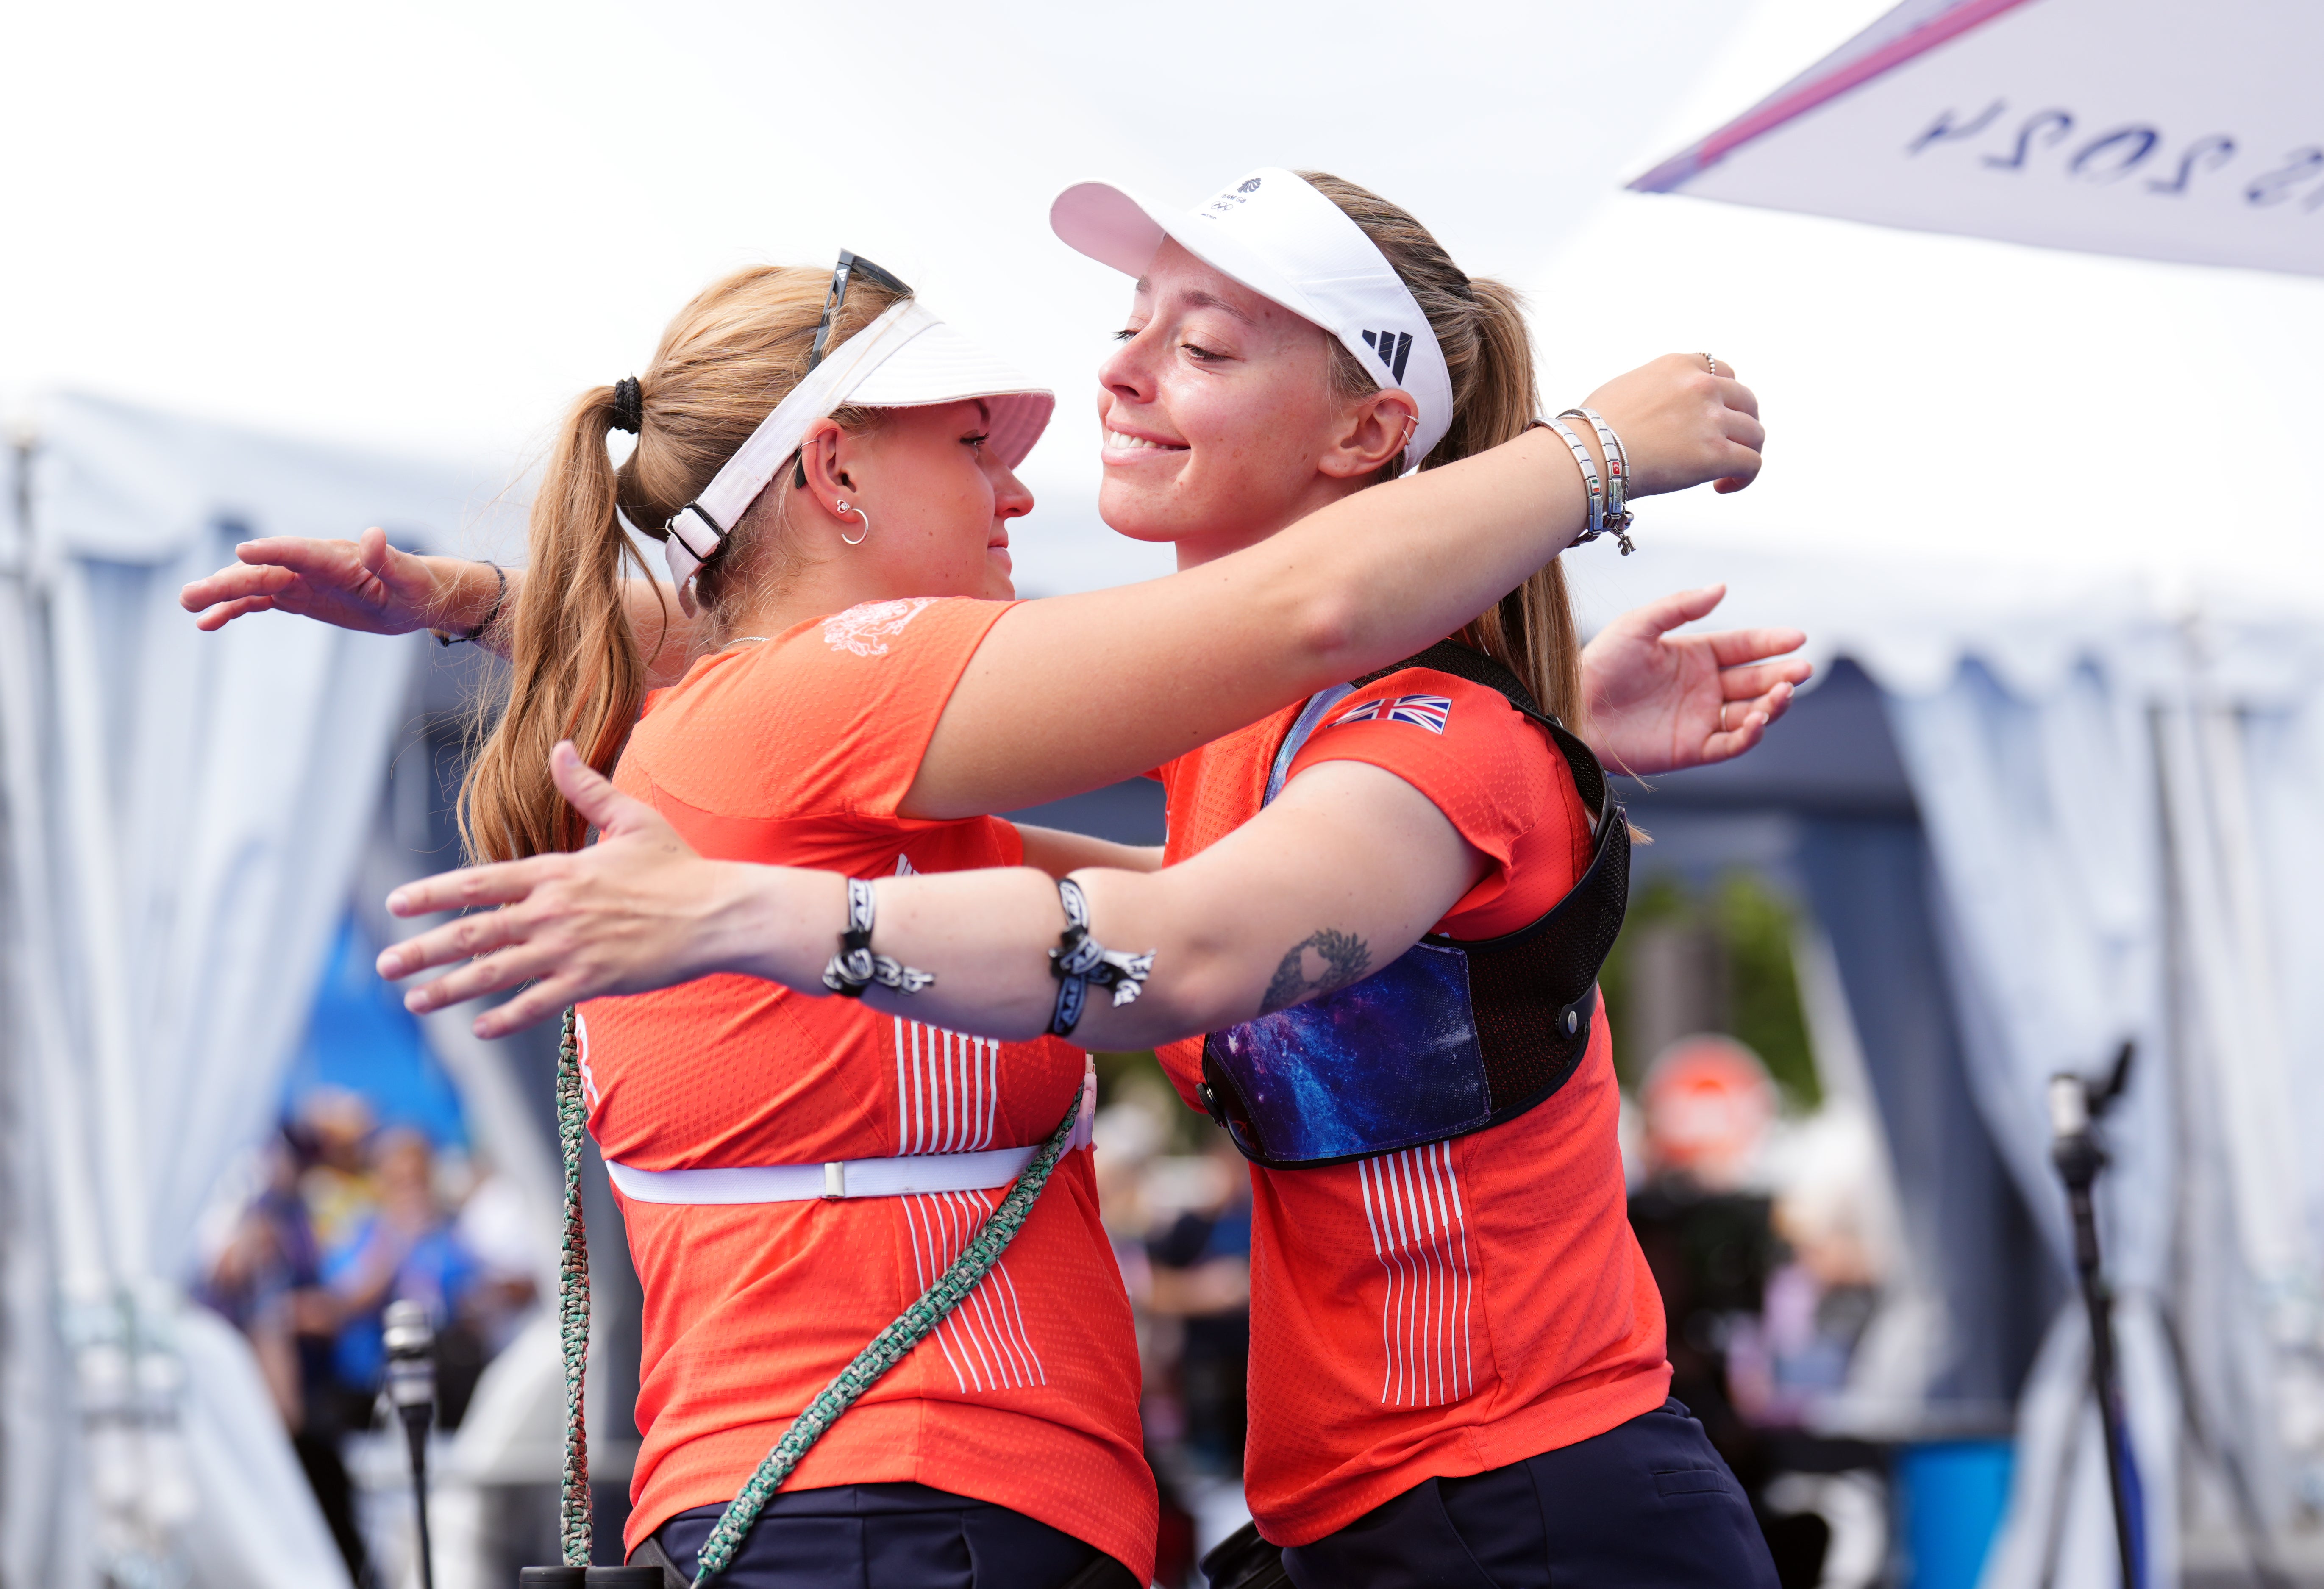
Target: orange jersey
[[798, 751], [1447, 1309]]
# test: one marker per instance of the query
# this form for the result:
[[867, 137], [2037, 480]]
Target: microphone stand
[[2076, 1105], [410, 1344]]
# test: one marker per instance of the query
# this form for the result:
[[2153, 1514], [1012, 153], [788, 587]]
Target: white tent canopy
[[2123, 804], [184, 814]]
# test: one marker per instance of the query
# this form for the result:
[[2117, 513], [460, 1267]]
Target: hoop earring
[[860, 513]]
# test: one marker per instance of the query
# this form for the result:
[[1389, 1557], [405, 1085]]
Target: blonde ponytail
[[1489, 352], [578, 670]]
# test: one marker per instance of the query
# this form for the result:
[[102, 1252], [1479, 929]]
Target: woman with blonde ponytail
[[860, 692]]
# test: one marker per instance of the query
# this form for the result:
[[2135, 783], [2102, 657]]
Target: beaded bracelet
[[855, 967], [1617, 475], [1080, 961], [490, 613]]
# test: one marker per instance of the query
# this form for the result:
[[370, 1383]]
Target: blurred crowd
[[1764, 1227], [1768, 1239], [1177, 1202], [1765, 1210], [336, 1217]]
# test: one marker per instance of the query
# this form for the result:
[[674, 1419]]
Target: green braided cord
[[888, 1348], [572, 1304]]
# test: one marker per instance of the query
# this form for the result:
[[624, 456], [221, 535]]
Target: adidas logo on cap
[[1394, 349]]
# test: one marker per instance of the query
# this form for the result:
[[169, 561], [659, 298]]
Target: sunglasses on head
[[850, 266]]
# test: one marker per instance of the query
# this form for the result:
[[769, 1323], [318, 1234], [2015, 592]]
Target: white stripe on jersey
[[983, 1340], [1420, 1234], [948, 1101], [947, 1090]]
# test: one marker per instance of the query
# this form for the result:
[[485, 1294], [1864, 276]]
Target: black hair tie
[[628, 405]]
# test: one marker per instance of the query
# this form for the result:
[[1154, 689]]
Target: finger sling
[[889, 1347]]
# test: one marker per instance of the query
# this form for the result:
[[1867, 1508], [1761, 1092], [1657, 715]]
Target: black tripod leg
[[415, 1430], [2104, 1383]]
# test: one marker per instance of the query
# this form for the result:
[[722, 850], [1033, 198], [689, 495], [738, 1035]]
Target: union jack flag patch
[[1422, 711]]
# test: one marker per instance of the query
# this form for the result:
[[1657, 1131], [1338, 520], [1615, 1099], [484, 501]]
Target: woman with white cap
[[847, 714], [1458, 1372]]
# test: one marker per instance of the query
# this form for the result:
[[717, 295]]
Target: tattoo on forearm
[[1341, 957]]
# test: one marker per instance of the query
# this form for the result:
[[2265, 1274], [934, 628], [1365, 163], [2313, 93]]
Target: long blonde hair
[[579, 671], [1481, 326]]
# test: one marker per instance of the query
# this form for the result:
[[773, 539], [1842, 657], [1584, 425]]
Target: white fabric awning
[[2188, 129]]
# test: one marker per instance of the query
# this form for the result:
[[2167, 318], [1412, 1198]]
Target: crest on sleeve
[[1422, 711], [866, 630]]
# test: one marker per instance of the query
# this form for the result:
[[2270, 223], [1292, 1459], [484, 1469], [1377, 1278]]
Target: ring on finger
[[1711, 363]]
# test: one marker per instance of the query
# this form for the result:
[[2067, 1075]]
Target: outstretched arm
[[1268, 917], [366, 584], [1659, 701], [1067, 694]]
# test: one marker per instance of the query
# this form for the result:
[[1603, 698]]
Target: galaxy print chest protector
[[1450, 1037]]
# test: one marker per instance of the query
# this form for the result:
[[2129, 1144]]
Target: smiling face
[[1221, 421]]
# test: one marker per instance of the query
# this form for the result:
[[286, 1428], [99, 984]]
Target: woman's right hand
[[637, 911], [361, 584], [1681, 425]]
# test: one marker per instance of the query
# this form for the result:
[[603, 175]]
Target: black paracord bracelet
[[490, 613], [1079, 961], [855, 967]]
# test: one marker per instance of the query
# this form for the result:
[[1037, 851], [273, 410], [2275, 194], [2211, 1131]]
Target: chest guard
[[1450, 1037]]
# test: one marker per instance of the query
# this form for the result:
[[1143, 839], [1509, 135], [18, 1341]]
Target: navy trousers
[[886, 1537], [1647, 1505]]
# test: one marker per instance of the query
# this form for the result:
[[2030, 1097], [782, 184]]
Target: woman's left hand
[[1660, 701], [636, 911]]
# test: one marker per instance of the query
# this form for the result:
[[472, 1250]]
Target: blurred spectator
[[503, 1236], [1709, 1102], [1708, 1235], [406, 1247], [1784, 1366], [331, 1127], [265, 1276], [1707, 1106], [1151, 1186], [336, 1221], [1201, 1263]]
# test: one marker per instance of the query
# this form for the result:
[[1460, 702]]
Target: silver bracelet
[[1080, 961], [855, 967], [1617, 475], [1592, 487]]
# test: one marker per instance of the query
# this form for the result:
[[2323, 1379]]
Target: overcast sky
[[423, 228]]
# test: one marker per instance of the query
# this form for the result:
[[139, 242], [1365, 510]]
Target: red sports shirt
[[798, 751], [1447, 1309]]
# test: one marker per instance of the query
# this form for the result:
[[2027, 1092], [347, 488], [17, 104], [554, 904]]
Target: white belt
[[840, 1179]]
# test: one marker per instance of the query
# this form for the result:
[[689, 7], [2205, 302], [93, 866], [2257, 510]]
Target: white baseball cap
[[1276, 234], [907, 359]]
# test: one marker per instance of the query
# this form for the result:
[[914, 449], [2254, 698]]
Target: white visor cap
[[1276, 234], [907, 359]]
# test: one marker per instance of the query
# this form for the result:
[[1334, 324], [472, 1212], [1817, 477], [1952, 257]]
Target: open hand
[[361, 584], [1660, 701], [636, 911]]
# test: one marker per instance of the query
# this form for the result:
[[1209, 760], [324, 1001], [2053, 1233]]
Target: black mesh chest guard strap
[[1533, 991]]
